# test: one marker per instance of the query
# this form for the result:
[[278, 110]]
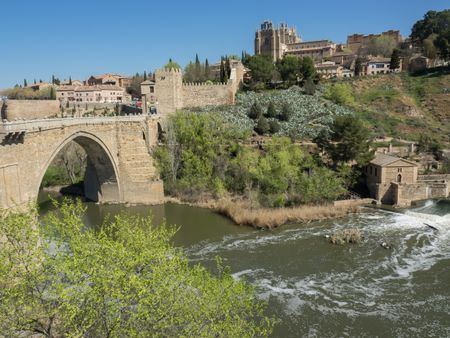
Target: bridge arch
[[102, 179]]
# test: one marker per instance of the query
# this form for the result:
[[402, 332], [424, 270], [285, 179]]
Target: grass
[[347, 236], [242, 214]]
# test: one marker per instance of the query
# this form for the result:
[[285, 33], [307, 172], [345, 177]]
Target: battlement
[[204, 84]]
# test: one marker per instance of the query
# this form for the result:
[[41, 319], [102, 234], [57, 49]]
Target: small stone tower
[[168, 90]]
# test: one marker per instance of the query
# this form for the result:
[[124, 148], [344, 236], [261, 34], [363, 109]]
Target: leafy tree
[[134, 89], [274, 126], [261, 68], [430, 145], [286, 112], [126, 275], [433, 22], [255, 111], [442, 42], [262, 126], [395, 59], [271, 110], [310, 87], [348, 141], [172, 65], [358, 66], [382, 46], [308, 70], [429, 47], [290, 68]]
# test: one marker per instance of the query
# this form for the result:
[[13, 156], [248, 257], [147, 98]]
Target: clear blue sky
[[79, 38]]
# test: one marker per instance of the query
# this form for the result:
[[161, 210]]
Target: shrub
[[340, 93], [271, 110], [348, 236], [274, 126], [255, 111], [286, 112], [262, 127]]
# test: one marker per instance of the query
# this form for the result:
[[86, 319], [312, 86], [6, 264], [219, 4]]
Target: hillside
[[404, 106]]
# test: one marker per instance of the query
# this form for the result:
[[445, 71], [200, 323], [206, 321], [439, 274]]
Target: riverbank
[[242, 213]]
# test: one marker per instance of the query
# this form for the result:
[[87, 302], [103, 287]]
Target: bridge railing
[[28, 125]]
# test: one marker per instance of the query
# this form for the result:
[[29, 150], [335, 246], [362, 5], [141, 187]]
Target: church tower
[[273, 41]]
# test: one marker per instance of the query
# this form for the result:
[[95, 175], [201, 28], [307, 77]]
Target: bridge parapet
[[43, 124]]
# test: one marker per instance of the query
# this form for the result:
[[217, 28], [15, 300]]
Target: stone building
[[109, 79], [166, 92], [394, 180], [92, 94], [330, 70], [281, 40], [356, 41], [379, 66]]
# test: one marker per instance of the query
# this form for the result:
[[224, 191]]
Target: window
[[152, 89], [399, 170], [376, 171]]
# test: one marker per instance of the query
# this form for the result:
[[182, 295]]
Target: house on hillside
[[394, 180]]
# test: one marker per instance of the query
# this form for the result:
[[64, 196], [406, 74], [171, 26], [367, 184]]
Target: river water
[[318, 289]]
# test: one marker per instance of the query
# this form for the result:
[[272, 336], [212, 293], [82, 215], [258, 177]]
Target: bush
[[271, 110], [274, 126], [262, 127], [125, 275], [348, 236], [340, 93], [286, 112], [255, 111]]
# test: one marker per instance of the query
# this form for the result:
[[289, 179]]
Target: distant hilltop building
[[92, 94], [356, 41], [281, 40], [109, 79]]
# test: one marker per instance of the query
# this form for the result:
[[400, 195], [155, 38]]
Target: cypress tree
[[25, 84], [228, 68], [52, 93], [207, 70], [197, 69], [70, 80], [34, 81], [145, 75], [271, 110], [358, 66], [395, 59], [222, 71]]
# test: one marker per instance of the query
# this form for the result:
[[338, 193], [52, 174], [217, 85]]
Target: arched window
[[399, 178]]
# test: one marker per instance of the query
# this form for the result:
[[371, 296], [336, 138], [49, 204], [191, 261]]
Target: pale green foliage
[[382, 46], [206, 155], [123, 280], [18, 93], [340, 93]]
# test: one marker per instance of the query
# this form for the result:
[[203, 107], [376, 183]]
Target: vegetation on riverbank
[[205, 155], [123, 279]]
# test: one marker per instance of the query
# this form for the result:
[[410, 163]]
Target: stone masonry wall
[[31, 109], [197, 95]]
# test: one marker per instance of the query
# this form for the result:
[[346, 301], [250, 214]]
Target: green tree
[[349, 141], [207, 70], [228, 67], [286, 112], [271, 110], [145, 75], [52, 93], [255, 111], [261, 68], [262, 126], [382, 46], [126, 275], [70, 80], [308, 70], [395, 59], [358, 66], [433, 22], [310, 87], [198, 69], [172, 65], [429, 47], [289, 68], [442, 42], [274, 126], [25, 84]]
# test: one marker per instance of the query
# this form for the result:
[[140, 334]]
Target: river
[[322, 290]]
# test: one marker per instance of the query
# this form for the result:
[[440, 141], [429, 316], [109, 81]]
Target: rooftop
[[383, 160]]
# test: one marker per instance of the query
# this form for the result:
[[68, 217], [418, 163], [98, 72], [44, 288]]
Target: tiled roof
[[89, 88], [383, 160]]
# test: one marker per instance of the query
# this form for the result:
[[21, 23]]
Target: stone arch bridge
[[120, 168]]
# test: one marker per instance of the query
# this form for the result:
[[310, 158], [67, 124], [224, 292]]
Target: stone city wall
[[198, 95], [29, 109]]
